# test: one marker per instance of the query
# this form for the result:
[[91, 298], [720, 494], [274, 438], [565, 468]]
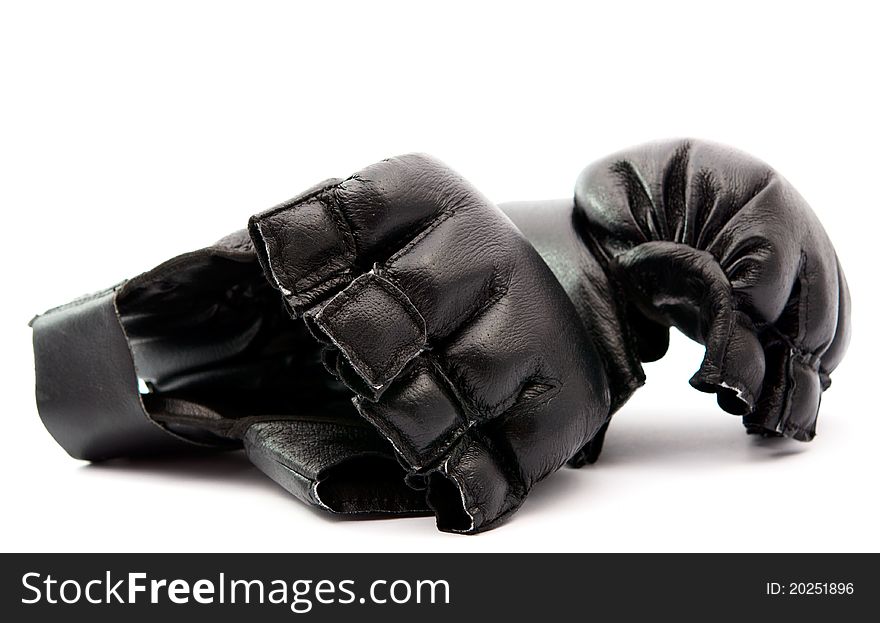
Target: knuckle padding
[[446, 266], [375, 326], [419, 440], [307, 246]]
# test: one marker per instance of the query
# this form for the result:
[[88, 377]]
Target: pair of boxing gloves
[[395, 344]]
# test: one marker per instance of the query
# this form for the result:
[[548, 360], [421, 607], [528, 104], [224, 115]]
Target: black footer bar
[[436, 587]]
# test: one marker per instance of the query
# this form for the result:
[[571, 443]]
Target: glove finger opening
[[369, 485], [733, 367], [469, 492], [445, 499]]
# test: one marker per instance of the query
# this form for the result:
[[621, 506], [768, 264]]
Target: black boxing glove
[[469, 364], [460, 346], [709, 240]]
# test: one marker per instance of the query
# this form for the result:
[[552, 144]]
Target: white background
[[131, 133]]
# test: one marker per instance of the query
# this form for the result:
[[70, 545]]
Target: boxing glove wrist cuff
[[87, 386]]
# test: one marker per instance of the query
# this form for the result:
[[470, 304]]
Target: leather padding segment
[[306, 247], [418, 414], [375, 326]]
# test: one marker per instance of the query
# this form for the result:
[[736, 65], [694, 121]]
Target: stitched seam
[[286, 205], [554, 386], [326, 198], [420, 235], [483, 412], [436, 450], [496, 292], [82, 300], [506, 463], [732, 319], [803, 305], [763, 185], [805, 298], [416, 512], [264, 222], [618, 303], [811, 358], [371, 499], [289, 467], [234, 427], [790, 387], [340, 303], [468, 405], [394, 366], [626, 174], [341, 221]]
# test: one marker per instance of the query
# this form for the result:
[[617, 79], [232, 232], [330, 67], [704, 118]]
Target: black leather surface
[[556, 232], [552, 229], [712, 241], [339, 465], [481, 355], [470, 366], [225, 367], [460, 345], [86, 384]]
